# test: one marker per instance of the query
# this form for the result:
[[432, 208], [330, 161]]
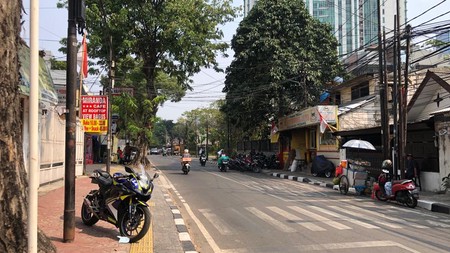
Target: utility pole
[[32, 219], [207, 137], [110, 87], [403, 107], [394, 102], [76, 14], [383, 97], [228, 135], [401, 102]]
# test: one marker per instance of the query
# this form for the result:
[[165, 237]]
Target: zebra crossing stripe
[[354, 245], [263, 216], [318, 217], [308, 225], [346, 218], [356, 214], [384, 216], [217, 222]]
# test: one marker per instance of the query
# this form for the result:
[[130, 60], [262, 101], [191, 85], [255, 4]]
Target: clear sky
[[207, 84]]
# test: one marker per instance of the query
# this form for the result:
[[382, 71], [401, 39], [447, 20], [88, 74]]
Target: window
[[337, 98], [312, 139], [361, 90]]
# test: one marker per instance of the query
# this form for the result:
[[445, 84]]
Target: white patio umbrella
[[360, 144]]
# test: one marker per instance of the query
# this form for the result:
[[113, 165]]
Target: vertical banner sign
[[94, 114]]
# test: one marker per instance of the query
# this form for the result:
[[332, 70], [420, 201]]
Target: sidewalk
[[427, 200], [102, 237]]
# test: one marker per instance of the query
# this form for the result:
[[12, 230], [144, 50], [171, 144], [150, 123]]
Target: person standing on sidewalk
[[412, 170], [127, 151], [119, 155]]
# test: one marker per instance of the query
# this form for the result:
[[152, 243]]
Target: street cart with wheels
[[354, 175]]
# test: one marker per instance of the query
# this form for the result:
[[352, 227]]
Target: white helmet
[[186, 151], [386, 164]]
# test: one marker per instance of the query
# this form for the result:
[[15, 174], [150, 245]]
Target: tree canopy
[[172, 39], [283, 57]]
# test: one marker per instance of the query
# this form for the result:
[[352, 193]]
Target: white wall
[[442, 130], [52, 129], [430, 181]]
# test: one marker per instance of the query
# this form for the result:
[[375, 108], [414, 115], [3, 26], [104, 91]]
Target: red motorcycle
[[403, 191]]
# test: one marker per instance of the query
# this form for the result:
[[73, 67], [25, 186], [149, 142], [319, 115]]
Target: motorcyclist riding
[[385, 177], [185, 154], [222, 158], [202, 157]]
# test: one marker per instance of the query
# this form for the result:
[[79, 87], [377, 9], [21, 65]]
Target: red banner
[[94, 114]]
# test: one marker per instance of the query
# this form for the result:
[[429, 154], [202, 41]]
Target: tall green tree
[[177, 37], [283, 57], [204, 125], [163, 132]]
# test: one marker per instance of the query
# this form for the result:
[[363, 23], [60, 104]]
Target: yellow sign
[[95, 125]]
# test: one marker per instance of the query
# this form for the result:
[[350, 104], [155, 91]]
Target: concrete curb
[[425, 204], [183, 232]]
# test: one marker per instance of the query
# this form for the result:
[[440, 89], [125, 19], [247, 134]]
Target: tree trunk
[[13, 177]]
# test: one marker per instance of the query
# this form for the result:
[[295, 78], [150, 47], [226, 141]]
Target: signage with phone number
[[94, 114]]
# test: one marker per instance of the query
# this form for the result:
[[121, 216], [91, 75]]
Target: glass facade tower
[[354, 22]]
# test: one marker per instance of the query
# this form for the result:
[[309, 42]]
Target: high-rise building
[[354, 22], [444, 38], [248, 5]]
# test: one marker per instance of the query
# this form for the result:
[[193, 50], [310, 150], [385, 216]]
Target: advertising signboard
[[94, 114], [308, 117], [117, 91]]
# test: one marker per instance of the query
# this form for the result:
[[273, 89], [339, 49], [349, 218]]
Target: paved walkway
[[103, 236]]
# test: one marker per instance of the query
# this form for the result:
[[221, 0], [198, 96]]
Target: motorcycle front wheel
[[380, 196], [136, 225], [87, 216], [411, 201]]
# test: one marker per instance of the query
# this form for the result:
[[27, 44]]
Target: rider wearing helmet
[[222, 158], [385, 177], [185, 154]]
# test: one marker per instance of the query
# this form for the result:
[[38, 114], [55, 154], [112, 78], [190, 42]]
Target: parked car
[[154, 151]]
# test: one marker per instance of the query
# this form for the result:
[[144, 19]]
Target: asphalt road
[[252, 212]]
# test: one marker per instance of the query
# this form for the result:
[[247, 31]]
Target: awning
[[349, 107], [46, 88]]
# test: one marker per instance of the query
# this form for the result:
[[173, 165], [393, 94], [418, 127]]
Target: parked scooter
[[403, 191]]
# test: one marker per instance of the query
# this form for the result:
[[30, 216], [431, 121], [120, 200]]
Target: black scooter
[[202, 160], [224, 166]]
